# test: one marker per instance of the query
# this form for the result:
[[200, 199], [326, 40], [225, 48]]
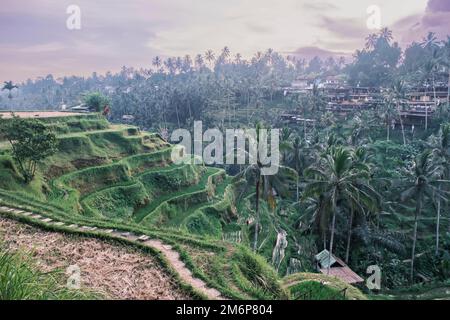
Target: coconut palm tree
[[446, 63], [441, 149], [9, 86], [426, 179], [429, 74], [371, 41], [225, 53], [336, 178], [210, 57], [370, 199], [199, 61], [157, 62], [387, 115], [297, 160], [266, 186], [285, 143], [430, 42], [396, 96], [238, 58], [386, 34]]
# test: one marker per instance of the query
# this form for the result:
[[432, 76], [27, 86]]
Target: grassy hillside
[[115, 176]]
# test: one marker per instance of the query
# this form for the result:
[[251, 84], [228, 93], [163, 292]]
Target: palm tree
[[266, 186], [426, 176], [238, 58], [170, 64], [441, 148], [225, 53], [210, 57], [9, 86], [285, 143], [199, 61], [157, 62], [386, 34], [397, 94], [297, 160], [370, 199], [269, 55], [371, 41], [187, 63], [429, 72], [446, 63], [336, 178], [430, 42]]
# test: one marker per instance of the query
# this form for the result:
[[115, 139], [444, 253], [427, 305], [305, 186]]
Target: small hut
[[331, 265]]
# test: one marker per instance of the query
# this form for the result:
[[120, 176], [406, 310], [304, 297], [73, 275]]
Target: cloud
[[310, 52], [344, 28], [319, 6], [34, 40], [438, 6], [435, 19]]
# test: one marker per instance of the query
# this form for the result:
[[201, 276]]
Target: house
[[127, 118], [80, 108], [302, 83], [331, 265], [428, 94]]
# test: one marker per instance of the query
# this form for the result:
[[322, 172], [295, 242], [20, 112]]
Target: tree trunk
[[438, 221], [416, 218], [349, 235], [448, 91], [255, 243], [298, 177], [333, 224], [388, 127], [401, 123]]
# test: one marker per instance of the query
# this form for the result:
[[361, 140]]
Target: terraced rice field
[[116, 181]]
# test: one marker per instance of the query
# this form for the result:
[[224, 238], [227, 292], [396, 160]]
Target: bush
[[96, 101]]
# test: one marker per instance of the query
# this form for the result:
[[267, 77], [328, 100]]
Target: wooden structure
[[331, 265]]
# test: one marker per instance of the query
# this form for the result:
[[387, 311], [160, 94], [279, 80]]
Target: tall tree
[[441, 149], [426, 179], [10, 87], [335, 179], [210, 57], [266, 186]]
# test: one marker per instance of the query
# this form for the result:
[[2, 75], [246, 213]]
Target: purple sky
[[34, 40]]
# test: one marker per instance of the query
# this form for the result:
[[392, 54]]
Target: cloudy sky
[[34, 39]]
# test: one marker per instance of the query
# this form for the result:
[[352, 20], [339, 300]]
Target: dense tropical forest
[[369, 184]]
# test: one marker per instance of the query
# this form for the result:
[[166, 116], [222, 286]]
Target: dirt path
[[169, 253]]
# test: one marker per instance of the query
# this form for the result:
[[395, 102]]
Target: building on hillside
[[428, 94], [80, 108], [331, 265], [293, 118], [301, 83], [127, 118], [349, 99], [333, 82]]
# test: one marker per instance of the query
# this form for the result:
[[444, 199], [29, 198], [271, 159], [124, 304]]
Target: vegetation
[[20, 279], [31, 142], [96, 101], [364, 184]]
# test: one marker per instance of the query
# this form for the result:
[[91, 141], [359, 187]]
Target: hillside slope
[[116, 182]]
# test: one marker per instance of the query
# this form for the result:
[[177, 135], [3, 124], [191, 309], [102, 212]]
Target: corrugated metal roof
[[344, 273], [325, 259]]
